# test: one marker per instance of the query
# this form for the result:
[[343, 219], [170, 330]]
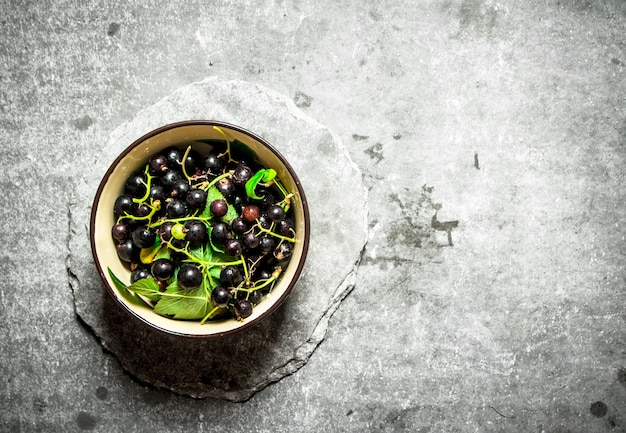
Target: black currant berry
[[225, 186], [119, 232], [189, 277], [267, 198], [174, 157], [218, 208], [255, 297], [251, 240], [264, 221], [180, 189], [162, 269], [171, 177], [157, 192], [196, 198], [158, 164], [285, 228], [242, 174], [123, 205], [143, 237], [275, 213], [239, 226], [142, 210], [126, 250], [220, 233], [136, 185], [220, 296], [176, 209], [267, 243], [283, 251], [233, 248], [139, 274], [238, 201], [165, 231], [243, 308], [213, 163], [196, 231], [230, 276]]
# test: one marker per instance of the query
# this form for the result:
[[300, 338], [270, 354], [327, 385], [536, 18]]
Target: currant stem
[[148, 184], [182, 163], [230, 159]]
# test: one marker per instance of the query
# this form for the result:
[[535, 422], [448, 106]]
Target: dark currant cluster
[[205, 237]]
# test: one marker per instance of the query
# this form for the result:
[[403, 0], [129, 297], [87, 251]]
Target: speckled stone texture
[[507, 117], [234, 367]]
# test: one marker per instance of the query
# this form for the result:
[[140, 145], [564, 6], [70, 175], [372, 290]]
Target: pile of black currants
[[205, 237]]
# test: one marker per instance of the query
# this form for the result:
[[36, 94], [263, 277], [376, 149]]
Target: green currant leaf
[[252, 183], [197, 251], [129, 296], [147, 287], [269, 175], [184, 304]]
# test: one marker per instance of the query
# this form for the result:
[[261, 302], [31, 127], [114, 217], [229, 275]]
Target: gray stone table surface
[[491, 138]]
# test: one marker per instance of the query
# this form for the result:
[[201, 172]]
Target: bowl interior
[[134, 158]]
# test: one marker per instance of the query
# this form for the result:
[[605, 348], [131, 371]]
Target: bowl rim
[[307, 226]]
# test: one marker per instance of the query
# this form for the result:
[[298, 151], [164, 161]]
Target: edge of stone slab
[[308, 347]]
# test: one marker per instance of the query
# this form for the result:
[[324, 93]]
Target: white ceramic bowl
[[133, 159]]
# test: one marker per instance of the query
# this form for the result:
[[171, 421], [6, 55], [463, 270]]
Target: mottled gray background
[[506, 116]]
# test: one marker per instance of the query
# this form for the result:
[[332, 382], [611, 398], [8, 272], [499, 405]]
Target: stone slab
[[235, 367]]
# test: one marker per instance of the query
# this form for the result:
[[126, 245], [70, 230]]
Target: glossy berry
[[189, 277], [242, 174], [218, 208], [220, 296], [267, 243], [239, 226], [220, 233], [119, 231], [174, 157], [196, 198], [162, 269], [230, 276], [176, 209], [136, 184], [126, 250], [225, 186], [251, 239], [250, 213], [165, 231], [172, 177], [285, 228], [233, 248], [196, 231], [123, 205], [143, 237], [142, 210], [180, 189], [275, 213], [213, 163], [157, 164], [157, 192], [283, 251], [238, 201], [139, 274], [243, 308], [264, 221], [255, 297]]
